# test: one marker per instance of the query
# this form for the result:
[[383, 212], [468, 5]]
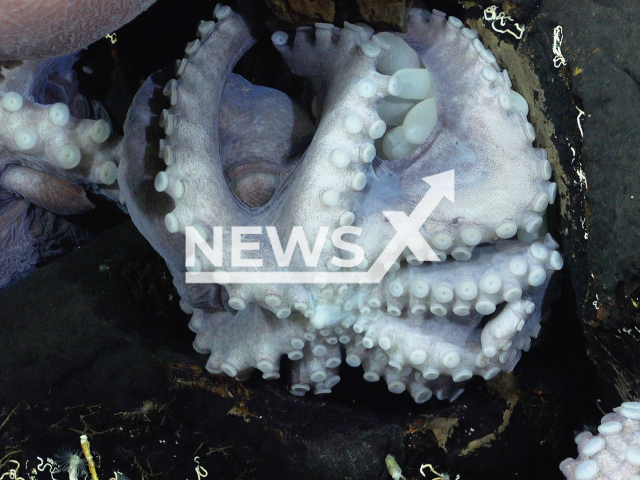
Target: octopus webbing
[[391, 113]]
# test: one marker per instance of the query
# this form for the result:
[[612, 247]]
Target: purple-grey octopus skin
[[427, 326], [613, 452], [42, 181], [35, 29], [262, 136]]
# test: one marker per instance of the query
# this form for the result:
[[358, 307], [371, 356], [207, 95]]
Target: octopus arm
[[46, 190]]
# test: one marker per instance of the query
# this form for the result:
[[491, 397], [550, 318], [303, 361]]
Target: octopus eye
[[252, 184]]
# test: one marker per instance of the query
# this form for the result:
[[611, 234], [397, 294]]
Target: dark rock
[[78, 322], [388, 14], [303, 12], [604, 63]]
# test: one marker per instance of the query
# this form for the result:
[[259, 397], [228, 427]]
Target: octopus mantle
[[389, 111]]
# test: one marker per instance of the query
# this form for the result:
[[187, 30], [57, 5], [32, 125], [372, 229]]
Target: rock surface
[[388, 14], [302, 12]]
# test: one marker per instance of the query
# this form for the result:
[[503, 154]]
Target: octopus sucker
[[63, 143], [614, 452], [390, 112]]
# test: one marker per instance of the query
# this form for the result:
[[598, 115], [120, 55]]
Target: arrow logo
[[407, 228]]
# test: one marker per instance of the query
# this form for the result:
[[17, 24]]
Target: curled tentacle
[[192, 128], [50, 139]]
